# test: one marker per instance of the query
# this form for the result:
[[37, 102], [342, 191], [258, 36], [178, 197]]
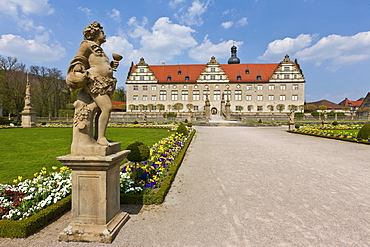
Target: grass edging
[[330, 137], [158, 198], [26, 227]]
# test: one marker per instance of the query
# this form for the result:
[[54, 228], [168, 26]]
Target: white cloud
[[26, 7], [115, 15], [166, 40], [122, 46], [87, 11], [175, 3], [278, 48], [139, 29], [338, 50], [204, 51], [227, 24], [194, 13], [30, 50], [243, 21]]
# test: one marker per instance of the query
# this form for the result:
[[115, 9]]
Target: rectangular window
[[217, 95], [294, 97], [162, 95], [282, 87], [220, 77], [259, 108], [249, 88], [271, 87], [196, 95], [145, 97], [141, 70], [136, 88], [248, 97], [174, 95], [196, 108], [295, 87], [136, 97], [205, 94], [238, 94], [154, 88], [227, 94], [154, 107], [184, 95], [271, 97], [259, 87], [286, 68], [259, 97], [286, 76], [154, 97], [282, 97], [141, 78], [145, 88], [213, 77]]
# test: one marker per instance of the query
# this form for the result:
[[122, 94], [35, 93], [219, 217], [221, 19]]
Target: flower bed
[[27, 205], [339, 132]]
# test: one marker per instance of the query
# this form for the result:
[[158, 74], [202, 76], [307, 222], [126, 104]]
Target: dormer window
[[247, 71], [179, 72], [186, 78], [259, 77], [169, 78], [239, 78], [213, 70]]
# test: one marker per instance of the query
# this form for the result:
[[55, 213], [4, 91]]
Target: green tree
[[346, 108], [311, 108], [190, 106], [150, 107], [270, 107], [119, 95], [323, 108], [178, 106], [160, 107], [280, 107], [131, 107], [250, 107]]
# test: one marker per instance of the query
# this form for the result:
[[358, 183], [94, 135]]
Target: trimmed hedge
[[158, 198], [26, 227]]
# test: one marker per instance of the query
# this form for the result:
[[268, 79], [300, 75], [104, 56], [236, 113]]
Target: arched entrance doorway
[[214, 111]]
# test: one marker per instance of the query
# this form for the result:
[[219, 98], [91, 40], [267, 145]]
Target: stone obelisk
[[28, 114]]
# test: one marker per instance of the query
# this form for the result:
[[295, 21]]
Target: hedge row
[[158, 198], [330, 137], [26, 227]]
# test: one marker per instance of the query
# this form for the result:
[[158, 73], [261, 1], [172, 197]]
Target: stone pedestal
[[96, 214], [28, 118]]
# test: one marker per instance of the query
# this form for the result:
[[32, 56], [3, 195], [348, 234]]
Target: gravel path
[[241, 186]]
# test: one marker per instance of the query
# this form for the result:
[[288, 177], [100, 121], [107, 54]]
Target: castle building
[[248, 87]]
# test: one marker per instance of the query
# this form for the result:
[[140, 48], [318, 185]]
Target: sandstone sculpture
[[92, 72]]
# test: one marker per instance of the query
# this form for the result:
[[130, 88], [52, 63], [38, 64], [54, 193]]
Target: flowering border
[[161, 193], [317, 133]]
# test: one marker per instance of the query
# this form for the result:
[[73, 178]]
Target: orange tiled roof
[[327, 103], [347, 102], [117, 103], [194, 71]]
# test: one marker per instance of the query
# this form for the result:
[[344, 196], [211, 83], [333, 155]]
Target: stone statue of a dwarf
[[92, 72]]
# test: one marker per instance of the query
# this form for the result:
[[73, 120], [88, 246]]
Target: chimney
[[162, 64]]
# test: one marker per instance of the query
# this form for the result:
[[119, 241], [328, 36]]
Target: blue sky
[[330, 38]]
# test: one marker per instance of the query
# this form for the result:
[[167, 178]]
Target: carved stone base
[[94, 233], [94, 149], [96, 212], [28, 118]]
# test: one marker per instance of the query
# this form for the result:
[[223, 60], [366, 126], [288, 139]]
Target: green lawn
[[24, 151]]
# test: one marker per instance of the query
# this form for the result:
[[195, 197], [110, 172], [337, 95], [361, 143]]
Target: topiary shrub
[[297, 126], [182, 129], [364, 132], [260, 121], [335, 123], [136, 122], [139, 152]]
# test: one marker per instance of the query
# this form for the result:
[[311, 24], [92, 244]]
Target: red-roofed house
[[354, 105], [330, 105], [255, 87]]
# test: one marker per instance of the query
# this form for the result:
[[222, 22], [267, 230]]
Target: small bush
[[136, 122], [182, 130], [186, 121], [364, 132], [335, 123], [190, 125], [260, 121], [4, 121], [139, 152], [297, 126]]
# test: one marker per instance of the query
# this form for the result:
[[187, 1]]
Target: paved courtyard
[[241, 186]]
